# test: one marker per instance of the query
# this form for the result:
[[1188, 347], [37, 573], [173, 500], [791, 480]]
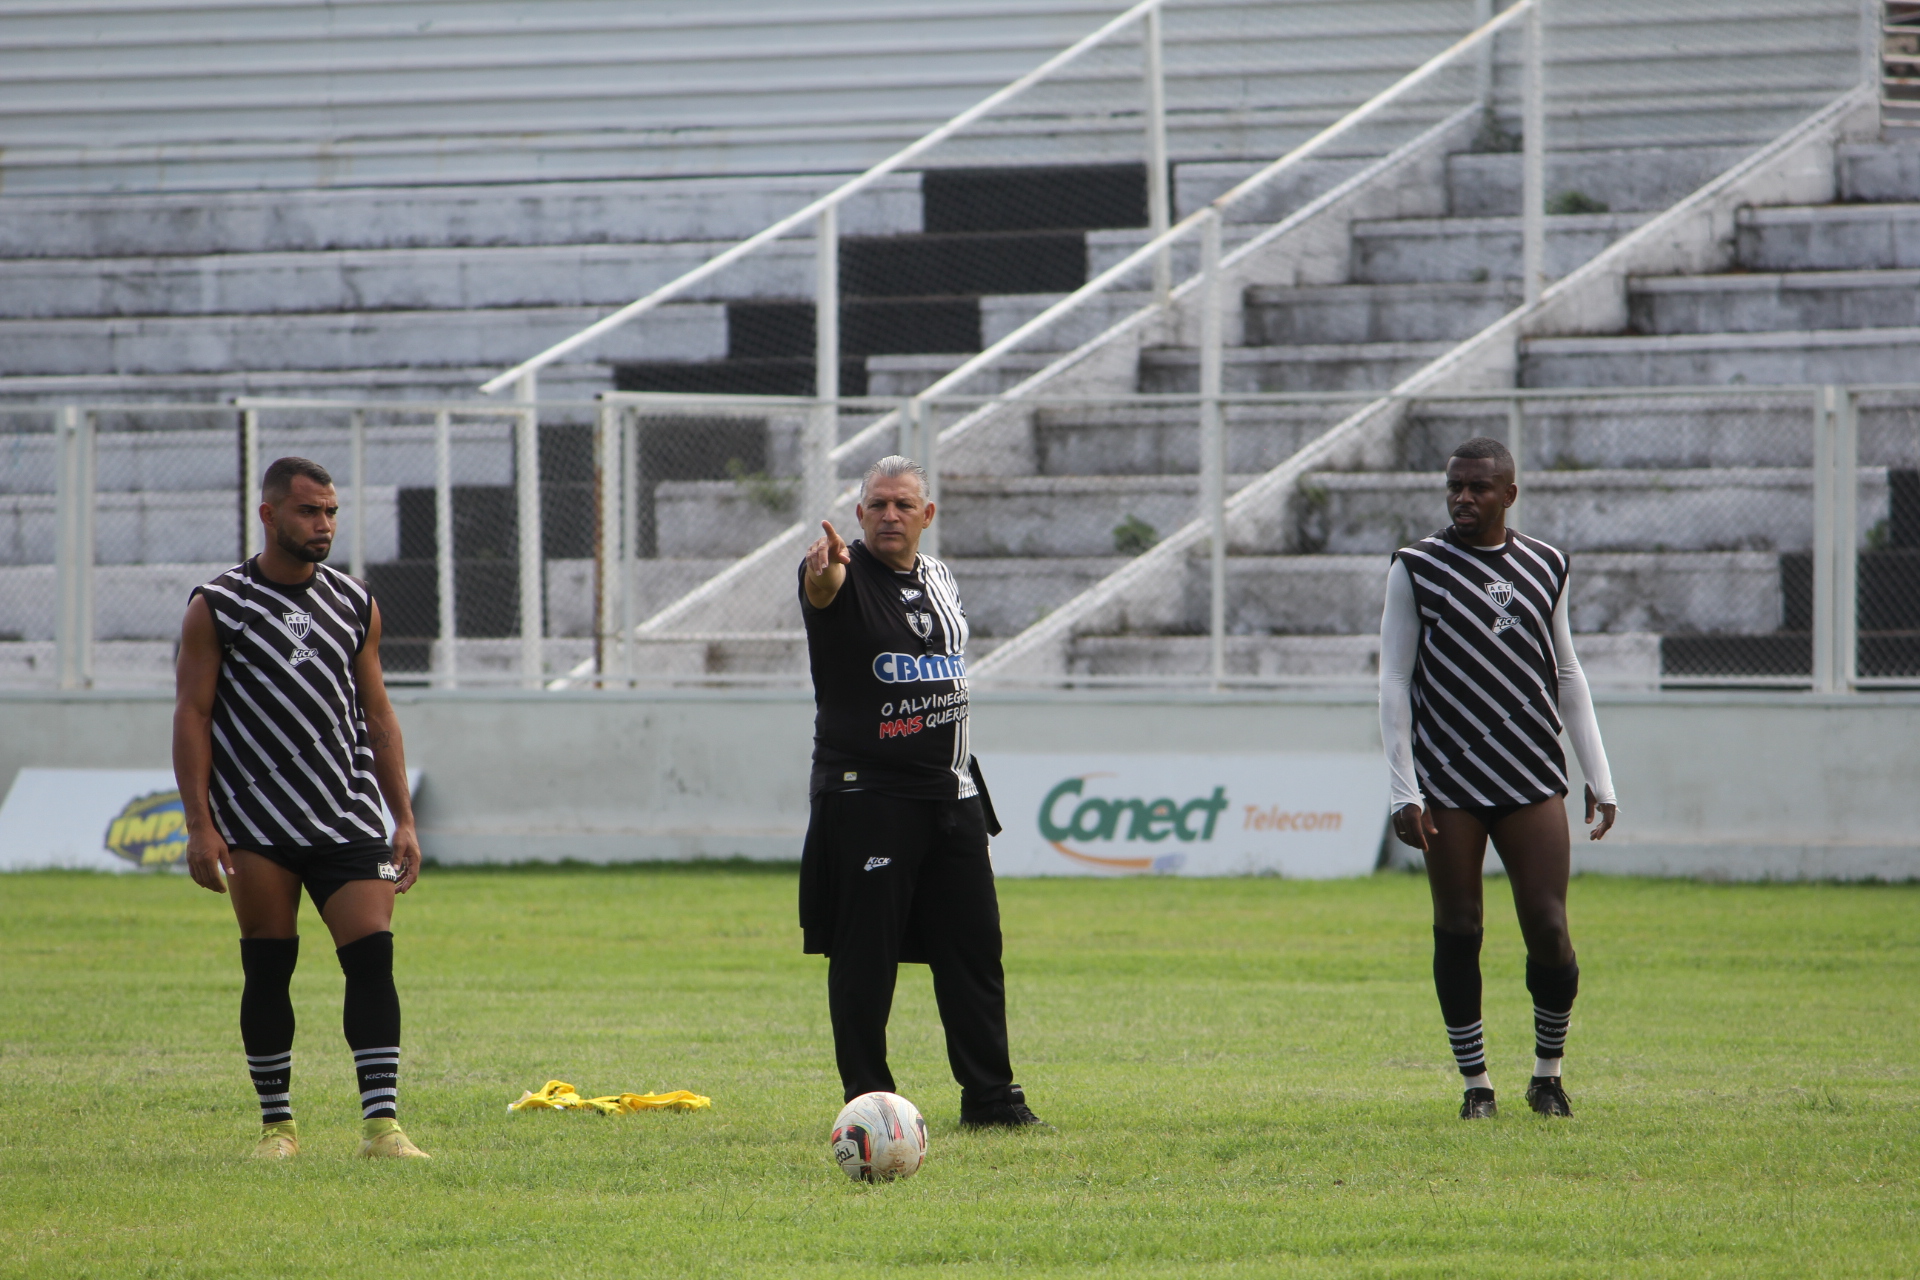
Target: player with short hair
[[895, 864], [1477, 678], [284, 744]]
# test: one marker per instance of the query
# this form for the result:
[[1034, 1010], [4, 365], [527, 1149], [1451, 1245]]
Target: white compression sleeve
[[1399, 648], [1576, 708]]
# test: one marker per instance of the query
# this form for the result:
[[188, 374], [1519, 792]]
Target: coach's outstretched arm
[[196, 679], [389, 753], [827, 561]]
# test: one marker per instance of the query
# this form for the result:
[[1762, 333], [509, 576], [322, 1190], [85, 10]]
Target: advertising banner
[[100, 820], [1308, 816]]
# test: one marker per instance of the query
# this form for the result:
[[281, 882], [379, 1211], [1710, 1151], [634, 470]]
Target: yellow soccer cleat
[[278, 1141], [383, 1138]]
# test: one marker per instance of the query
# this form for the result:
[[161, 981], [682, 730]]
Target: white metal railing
[[1156, 254], [822, 212], [526, 423], [1826, 453], [1435, 377]]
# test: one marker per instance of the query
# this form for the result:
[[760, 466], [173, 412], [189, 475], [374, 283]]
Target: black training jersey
[[890, 681], [291, 764], [1486, 688]]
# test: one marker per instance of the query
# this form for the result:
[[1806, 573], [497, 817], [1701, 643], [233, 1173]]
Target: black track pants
[[910, 879]]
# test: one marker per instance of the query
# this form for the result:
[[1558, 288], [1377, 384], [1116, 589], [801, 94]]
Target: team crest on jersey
[[922, 624], [300, 626], [1500, 592]]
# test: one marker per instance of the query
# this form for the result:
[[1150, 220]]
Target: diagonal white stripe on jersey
[[291, 763], [1486, 684], [943, 594]]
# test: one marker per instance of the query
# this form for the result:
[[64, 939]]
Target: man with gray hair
[[895, 865]]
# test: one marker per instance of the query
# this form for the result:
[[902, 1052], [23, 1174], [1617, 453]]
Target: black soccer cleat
[[1477, 1104], [1546, 1096], [1012, 1113]]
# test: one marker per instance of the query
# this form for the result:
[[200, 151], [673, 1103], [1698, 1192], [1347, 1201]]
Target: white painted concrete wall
[[1718, 785], [180, 95]]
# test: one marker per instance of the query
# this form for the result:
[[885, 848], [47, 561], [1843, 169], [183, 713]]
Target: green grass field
[[1248, 1077]]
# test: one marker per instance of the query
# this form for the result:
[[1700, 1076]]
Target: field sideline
[[1248, 1077]]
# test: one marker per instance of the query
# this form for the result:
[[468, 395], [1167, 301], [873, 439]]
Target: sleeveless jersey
[[1486, 687], [889, 666], [291, 764]]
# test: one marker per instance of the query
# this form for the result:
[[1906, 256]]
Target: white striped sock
[[272, 1074], [379, 1073], [1469, 1048]]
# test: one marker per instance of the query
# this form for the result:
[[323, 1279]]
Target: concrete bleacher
[[1830, 287], [1691, 517], [186, 251], [420, 291]]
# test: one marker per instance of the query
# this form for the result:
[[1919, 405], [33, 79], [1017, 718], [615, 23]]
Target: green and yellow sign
[[1306, 814]]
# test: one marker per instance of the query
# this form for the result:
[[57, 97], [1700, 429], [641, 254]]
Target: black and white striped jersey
[[291, 764], [889, 663], [1486, 687]]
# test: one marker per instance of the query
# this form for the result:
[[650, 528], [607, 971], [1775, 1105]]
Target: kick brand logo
[[299, 625], [1068, 813], [1504, 624], [1500, 592], [874, 864], [908, 595]]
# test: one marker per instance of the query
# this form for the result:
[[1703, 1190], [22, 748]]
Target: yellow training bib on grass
[[558, 1095]]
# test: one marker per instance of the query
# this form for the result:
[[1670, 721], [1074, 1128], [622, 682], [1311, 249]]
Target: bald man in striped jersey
[[284, 744], [1477, 679]]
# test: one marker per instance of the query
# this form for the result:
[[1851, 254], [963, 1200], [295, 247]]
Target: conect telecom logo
[[1069, 814]]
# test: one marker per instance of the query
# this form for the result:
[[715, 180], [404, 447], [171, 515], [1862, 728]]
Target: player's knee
[[1548, 941]]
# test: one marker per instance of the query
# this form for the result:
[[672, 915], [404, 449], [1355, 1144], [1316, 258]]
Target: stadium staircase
[[1684, 570]]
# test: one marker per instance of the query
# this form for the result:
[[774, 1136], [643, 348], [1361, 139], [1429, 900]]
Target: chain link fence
[[1887, 518], [35, 465], [115, 513], [1704, 551], [1690, 516]]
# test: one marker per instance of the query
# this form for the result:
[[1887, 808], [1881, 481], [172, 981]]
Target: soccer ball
[[879, 1137]]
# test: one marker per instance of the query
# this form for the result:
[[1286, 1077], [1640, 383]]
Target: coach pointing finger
[[827, 561], [895, 865]]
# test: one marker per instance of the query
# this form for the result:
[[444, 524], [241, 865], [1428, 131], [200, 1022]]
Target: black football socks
[[1553, 987], [266, 1021], [1456, 977], [371, 1019]]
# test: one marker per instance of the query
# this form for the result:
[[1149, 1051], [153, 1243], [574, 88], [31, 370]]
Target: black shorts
[[1489, 814], [324, 868], [880, 864]]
